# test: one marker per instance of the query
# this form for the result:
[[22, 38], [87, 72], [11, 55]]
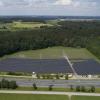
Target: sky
[[50, 7]]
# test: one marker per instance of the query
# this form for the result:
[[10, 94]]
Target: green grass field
[[31, 97], [17, 25], [43, 97], [28, 24], [55, 52], [44, 89], [97, 90], [85, 98], [58, 89]]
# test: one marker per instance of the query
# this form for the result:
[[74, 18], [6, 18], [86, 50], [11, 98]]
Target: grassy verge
[[31, 97], [85, 98], [54, 89], [43, 97], [43, 89]]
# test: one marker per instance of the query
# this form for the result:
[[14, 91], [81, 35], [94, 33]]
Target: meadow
[[31, 97], [53, 53], [85, 98], [18, 25], [44, 97]]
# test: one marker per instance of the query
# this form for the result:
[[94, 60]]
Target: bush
[[4, 83], [57, 76], [92, 89], [15, 73], [78, 89], [34, 86], [13, 85], [83, 89], [8, 85], [0, 85], [66, 77], [71, 87], [38, 76], [44, 76], [49, 76], [50, 87]]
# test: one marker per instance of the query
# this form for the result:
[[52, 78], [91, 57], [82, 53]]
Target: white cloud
[[86, 4], [1, 3], [76, 4], [94, 4], [50, 3], [63, 2], [69, 7]]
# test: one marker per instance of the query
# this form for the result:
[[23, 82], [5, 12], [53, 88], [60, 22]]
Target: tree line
[[5, 84], [78, 34]]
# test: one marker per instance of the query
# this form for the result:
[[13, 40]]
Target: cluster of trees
[[10, 19], [77, 88], [82, 89], [67, 33], [5, 84], [18, 73], [94, 46], [50, 88]]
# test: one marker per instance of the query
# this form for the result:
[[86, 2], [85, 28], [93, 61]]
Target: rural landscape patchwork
[[49, 50]]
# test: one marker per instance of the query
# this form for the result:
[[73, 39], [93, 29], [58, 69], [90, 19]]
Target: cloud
[[63, 2], [34, 3], [68, 7], [76, 4], [85, 4], [1, 3]]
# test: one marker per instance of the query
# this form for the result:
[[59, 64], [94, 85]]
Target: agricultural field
[[22, 25], [85, 98], [31, 97], [28, 25], [54, 52]]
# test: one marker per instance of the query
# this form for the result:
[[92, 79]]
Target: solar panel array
[[36, 65], [87, 67]]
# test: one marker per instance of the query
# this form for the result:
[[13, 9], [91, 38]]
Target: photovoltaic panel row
[[36, 65], [87, 67]]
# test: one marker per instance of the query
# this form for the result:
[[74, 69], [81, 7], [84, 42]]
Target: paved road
[[50, 93], [56, 83]]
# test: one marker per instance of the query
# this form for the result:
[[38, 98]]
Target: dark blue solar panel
[[88, 67], [35, 65]]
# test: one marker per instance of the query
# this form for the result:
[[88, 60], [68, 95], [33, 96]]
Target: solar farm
[[49, 66], [54, 64]]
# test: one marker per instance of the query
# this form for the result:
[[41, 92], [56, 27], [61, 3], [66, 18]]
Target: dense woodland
[[85, 34]]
